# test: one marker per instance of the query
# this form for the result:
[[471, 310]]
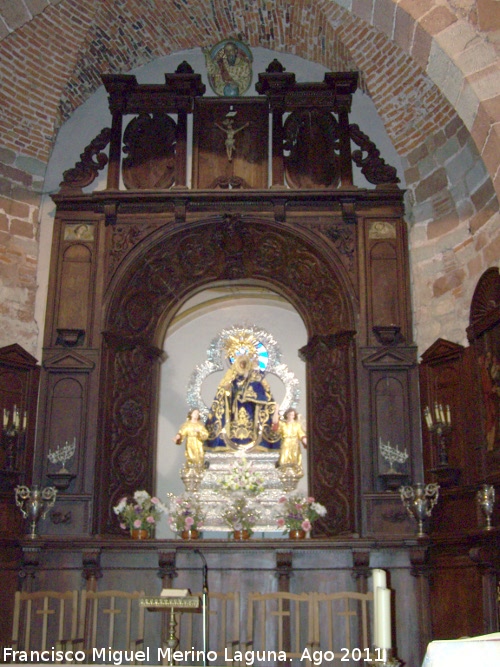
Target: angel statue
[[194, 433], [292, 437]]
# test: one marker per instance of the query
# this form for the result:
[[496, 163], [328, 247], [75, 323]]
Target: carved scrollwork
[[92, 161], [345, 241], [233, 249], [330, 425], [485, 306], [368, 159], [229, 183], [123, 239], [129, 421], [58, 517]]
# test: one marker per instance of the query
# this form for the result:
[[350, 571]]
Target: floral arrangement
[[298, 512], [185, 513], [142, 513], [241, 515], [243, 478]]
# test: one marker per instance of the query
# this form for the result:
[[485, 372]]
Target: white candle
[[383, 614], [379, 578]]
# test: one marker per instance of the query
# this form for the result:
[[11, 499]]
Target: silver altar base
[[215, 499]]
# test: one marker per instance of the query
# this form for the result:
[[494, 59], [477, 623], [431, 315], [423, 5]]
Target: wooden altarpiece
[[463, 556], [273, 204], [289, 218]]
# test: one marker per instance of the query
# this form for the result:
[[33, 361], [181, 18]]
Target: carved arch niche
[[148, 289]]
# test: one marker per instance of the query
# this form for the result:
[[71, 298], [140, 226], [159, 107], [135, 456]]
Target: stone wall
[[431, 69]]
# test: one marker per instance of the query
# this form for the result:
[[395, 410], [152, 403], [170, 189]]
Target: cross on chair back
[[112, 619], [280, 620], [45, 619]]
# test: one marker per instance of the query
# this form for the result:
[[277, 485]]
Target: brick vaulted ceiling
[[431, 67], [57, 50]]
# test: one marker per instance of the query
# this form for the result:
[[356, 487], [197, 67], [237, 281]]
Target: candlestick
[[440, 424]]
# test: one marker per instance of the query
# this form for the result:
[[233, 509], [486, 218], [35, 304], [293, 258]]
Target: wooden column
[[277, 166], [284, 571], [181, 150]]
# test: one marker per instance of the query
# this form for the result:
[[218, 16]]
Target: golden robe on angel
[[292, 436], [194, 433]]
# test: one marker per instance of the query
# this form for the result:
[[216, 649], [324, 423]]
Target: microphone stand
[[204, 605]]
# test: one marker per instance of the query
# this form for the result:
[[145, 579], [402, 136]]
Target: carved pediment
[[485, 306], [15, 355], [440, 350], [69, 361], [403, 357]]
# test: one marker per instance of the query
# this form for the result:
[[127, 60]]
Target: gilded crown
[[241, 343]]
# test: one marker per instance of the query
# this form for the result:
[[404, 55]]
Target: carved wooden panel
[[453, 579], [311, 148], [67, 410], [75, 284], [484, 335], [386, 274], [230, 144], [149, 144], [332, 459], [126, 462], [72, 281], [230, 249]]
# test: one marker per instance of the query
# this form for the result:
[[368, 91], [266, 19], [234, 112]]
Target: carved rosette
[[129, 425], [230, 250], [332, 481]]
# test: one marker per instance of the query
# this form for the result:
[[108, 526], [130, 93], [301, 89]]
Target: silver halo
[[215, 362]]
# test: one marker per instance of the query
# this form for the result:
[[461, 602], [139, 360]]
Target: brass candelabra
[[13, 430], [439, 422]]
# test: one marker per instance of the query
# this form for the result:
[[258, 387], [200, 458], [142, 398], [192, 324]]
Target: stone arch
[[175, 263], [428, 33]]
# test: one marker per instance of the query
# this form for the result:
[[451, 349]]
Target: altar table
[[483, 651]]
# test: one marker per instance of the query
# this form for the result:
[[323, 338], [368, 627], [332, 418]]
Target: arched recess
[[147, 291]]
